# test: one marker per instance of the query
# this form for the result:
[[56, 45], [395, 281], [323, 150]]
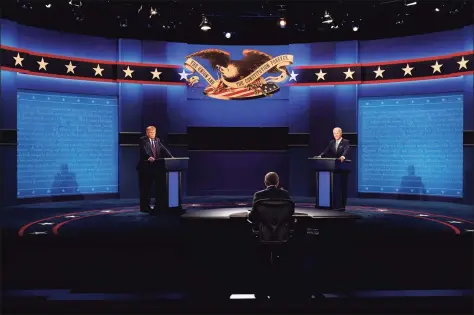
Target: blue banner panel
[[411, 145], [67, 144]]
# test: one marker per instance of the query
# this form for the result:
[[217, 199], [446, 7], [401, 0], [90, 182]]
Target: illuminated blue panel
[[173, 189], [411, 145], [324, 189], [67, 144]]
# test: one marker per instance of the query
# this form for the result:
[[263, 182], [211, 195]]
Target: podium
[[331, 182], [171, 169]]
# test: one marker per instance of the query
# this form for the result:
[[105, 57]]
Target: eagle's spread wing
[[215, 57], [254, 59]]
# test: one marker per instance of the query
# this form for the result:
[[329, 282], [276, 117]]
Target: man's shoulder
[[344, 140], [143, 138]]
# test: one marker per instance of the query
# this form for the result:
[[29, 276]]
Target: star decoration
[[70, 67], [128, 72], [42, 64], [98, 70], [320, 75], [155, 74], [183, 75], [293, 75], [379, 73], [462, 63], [407, 70], [349, 74], [436, 67], [18, 60]]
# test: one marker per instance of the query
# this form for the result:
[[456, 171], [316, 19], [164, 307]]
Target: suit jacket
[[146, 151], [270, 192], [332, 152]]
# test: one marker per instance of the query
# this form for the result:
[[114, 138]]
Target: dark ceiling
[[248, 22]]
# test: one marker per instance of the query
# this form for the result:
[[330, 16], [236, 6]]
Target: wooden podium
[[331, 182], [171, 169]]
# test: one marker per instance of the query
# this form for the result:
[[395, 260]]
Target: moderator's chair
[[274, 222]]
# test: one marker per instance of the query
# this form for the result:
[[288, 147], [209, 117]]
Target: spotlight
[[355, 28], [408, 4], [75, 3], [327, 19], [205, 25], [227, 35], [282, 23], [437, 9], [48, 5], [153, 11]]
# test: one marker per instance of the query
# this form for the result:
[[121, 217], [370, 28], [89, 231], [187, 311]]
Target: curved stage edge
[[55, 225]]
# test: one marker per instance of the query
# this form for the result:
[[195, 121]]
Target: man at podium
[[337, 148], [151, 149]]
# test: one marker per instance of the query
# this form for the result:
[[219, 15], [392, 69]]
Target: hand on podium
[[342, 158], [317, 156], [151, 159]]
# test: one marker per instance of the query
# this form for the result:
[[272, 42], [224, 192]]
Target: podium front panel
[[173, 180], [324, 189]]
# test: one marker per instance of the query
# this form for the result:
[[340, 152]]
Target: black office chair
[[274, 222]]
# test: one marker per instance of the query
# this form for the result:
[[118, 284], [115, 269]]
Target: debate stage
[[108, 250]]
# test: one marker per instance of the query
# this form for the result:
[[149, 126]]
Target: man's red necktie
[[153, 148]]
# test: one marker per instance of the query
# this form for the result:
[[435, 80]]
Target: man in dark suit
[[339, 149], [271, 192], [151, 149]]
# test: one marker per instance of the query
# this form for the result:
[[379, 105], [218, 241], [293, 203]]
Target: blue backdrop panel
[[67, 144], [411, 145]]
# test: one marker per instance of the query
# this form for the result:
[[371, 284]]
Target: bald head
[[337, 132], [272, 179]]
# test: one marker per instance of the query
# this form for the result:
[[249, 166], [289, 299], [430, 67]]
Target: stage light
[[153, 11], [75, 3], [327, 18], [48, 5], [205, 25], [228, 35], [123, 22], [437, 9], [282, 23], [410, 3], [355, 28]]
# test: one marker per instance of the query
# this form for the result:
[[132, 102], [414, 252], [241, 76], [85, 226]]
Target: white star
[[183, 75], [70, 216], [42, 64], [18, 60], [47, 223], [70, 67], [407, 70], [320, 75], [293, 75], [349, 74], [454, 222], [462, 63], [38, 233], [128, 72], [436, 67], [379, 73], [98, 70], [155, 74]]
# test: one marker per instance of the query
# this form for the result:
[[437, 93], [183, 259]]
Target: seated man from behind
[[271, 192]]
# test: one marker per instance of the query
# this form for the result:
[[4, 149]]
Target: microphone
[[166, 149]]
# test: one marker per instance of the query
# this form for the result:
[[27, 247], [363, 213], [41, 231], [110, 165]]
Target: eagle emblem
[[247, 78]]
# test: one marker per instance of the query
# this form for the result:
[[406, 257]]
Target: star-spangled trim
[[293, 76], [320, 75], [436, 67], [349, 74], [407, 70], [42, 64], [70, 67], [379, 73], [128, 72], [155, 74], [32, 63], [18, 60], [98, 70], [463, 63]]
